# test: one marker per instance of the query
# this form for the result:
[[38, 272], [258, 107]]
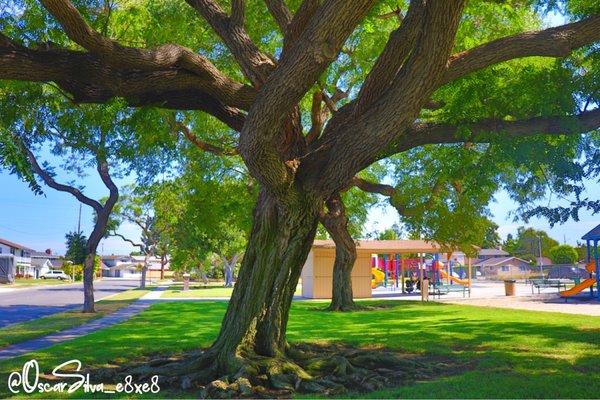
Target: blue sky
[[41, 222]]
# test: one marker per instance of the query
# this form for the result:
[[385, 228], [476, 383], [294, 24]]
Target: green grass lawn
[[198, 290], [23, 331], [27, 283], [518, 354]]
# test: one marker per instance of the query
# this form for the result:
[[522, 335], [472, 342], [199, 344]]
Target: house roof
[[493, 252], [40, 262], [594, 234], [113, 257], [125, 266], [544, 261], [387, 246], [493, 262], [15, 245], [43, 254]]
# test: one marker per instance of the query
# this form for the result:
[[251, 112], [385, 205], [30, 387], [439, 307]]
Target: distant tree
[[76, 247], [205, 212], [136, 206], [563, 254], [528, 243], [491, 239], [581, 249], [388, 234]]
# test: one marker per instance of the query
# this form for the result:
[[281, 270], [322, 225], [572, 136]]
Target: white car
[[55, 274]]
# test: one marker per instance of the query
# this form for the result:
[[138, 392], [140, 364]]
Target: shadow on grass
[[519, 353]]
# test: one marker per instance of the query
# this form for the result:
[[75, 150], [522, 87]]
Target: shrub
[[563, 254]]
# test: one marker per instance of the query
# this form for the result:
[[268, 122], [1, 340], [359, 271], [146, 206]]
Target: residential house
[[120, 267], [458, 257], [154, 266], [21, 256], [504, 268]]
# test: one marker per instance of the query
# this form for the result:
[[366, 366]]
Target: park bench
[[545, 283], [445, 289]]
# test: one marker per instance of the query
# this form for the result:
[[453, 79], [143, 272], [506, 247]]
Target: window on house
[[505, 268], [12, 250], [522, 268]]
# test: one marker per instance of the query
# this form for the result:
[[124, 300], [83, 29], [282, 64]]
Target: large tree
[[383, 97]]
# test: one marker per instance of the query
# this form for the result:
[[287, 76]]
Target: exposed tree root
[[307, 368]]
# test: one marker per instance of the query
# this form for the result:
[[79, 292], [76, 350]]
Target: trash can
[[509, 287]]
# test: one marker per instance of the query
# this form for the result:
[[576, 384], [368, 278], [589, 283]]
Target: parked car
[[55, 274], [567, 272]]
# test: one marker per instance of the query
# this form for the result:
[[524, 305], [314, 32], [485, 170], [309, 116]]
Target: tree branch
[[140, 245], [372, 187], [359, 140], [281, 14], [203, 145], [299, 22], [49, 180], [165, 57], [238, 12], [397, 49], [103, 170], [553, 42], [489, 130], [89, 80], [255, 65]]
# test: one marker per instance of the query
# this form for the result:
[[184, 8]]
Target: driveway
[[25, 304]]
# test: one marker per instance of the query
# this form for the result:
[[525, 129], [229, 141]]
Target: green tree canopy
[[528, 242], [563, 254], [76, 251]]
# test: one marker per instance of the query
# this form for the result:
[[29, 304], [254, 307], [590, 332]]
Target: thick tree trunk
[[256, 319], [336, 223], [88, 282]]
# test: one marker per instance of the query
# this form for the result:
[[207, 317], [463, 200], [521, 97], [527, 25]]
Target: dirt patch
[[327, 369]]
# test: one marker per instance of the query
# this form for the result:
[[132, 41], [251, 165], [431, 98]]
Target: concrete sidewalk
[[118, 316]]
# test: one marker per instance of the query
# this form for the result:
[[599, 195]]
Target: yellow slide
[[378, 277], [591, 268], [454, 279]]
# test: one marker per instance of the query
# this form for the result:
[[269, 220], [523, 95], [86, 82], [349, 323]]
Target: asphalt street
[[25, 304]]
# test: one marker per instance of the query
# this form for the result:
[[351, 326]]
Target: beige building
[[317, 274]]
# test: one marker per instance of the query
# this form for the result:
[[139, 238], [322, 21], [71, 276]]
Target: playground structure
[[404, 273], [593, 267], [383, 263], [317, 274]]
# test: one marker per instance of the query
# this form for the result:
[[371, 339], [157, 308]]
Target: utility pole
[[540, 259], [79, 220]]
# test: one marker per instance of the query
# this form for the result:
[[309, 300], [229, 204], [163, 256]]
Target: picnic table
[[544, 283], [445, 289]]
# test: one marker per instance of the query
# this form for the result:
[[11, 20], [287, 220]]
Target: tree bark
[[144, 272], [163, 261], [256, 319], [336, 223], [88, 282]]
